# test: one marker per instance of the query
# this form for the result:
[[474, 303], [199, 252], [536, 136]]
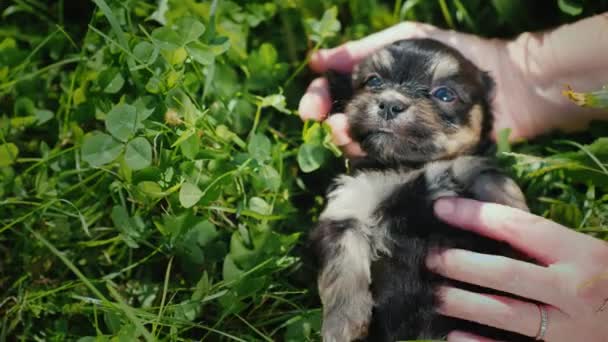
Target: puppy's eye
[[373, 81], [444, 94]]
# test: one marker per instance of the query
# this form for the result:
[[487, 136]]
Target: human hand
[[571, 280]]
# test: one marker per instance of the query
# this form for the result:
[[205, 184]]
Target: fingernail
[[306, 102], [444, 207], [459, 336], [339, 127]]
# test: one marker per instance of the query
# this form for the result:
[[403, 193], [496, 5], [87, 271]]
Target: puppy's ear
[[340, 88]]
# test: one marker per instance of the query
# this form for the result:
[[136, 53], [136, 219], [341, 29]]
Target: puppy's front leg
[[477, 177], [345, 255], [486, 183]]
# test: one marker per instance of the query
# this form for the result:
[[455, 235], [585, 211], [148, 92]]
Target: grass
[[156, 183]]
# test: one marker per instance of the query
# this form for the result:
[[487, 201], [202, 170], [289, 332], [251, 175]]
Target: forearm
[[575, 55]]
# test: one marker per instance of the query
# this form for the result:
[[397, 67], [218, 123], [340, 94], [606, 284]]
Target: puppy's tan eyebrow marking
[[383, 59], [445, 66], [465, 138]]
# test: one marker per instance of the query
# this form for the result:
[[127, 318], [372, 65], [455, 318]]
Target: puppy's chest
[[361, 196], [369, 196]]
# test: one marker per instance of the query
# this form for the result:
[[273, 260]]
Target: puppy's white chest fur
[[359, 196]]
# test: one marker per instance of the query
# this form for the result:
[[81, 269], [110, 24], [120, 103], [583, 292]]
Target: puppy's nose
[[388, 110]]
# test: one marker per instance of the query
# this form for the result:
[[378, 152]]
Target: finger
[[353, 150], [339, 129], [498, 311], [316, 102], [341, 136], [544, 240], [460, 336], [501, 273], [345, 56]]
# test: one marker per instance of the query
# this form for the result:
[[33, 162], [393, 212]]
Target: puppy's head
[[417, 101]]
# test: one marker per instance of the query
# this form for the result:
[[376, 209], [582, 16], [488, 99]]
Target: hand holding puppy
[[571, 281]]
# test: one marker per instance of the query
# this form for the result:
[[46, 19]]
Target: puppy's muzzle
[[389, 110]]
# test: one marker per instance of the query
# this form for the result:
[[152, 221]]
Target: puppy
[[421, 112]]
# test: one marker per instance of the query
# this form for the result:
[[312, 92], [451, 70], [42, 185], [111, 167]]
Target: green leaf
[[327, 27], [260, 206], [219, 45], [155, 85], [277, 101], [201, 53], [128, 332], [126, 225], [203, 233], [145, 107], [190, 245], [159, 13], [302, 327], [166, 38], [256, 13], [310, 157], [122, 121], [99, 149], [328, 141], [43, 116], [187, 310], [138, 153], [189, 195], [259, 147], [265, 71], [270, 177], [230, 271], [111, 80], [185, 30], [24, 106], [189, 28], [190, 146], [570, 7], [145, 52], [315, 134], [8, 154], [502, 141], [112, 321], [151, 189]]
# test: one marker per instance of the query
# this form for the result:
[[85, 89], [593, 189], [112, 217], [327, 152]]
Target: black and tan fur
[[378, 226]]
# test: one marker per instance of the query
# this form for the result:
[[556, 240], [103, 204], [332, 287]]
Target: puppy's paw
[[480, 177], [346, 311], [448, 178], [346, 326], [498, 188], [467, 169]]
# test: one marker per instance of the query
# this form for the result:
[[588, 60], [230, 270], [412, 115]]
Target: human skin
[[571, 279]]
